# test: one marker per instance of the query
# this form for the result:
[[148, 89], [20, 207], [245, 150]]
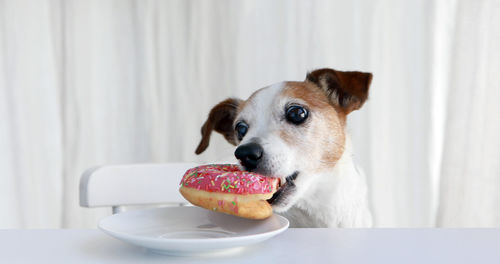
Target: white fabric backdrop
[[96, 82], [470, 182]]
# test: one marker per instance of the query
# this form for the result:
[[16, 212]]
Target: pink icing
[[227, 178]]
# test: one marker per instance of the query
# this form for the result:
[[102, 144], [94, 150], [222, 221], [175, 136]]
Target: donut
[[226, 188]]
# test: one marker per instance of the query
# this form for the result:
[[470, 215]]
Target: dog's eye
[[241, 128], [296, 114]]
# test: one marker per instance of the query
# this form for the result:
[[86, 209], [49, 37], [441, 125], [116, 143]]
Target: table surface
[[293, 246]]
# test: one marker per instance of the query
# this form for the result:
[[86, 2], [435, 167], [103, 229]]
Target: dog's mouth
[[285, 188]]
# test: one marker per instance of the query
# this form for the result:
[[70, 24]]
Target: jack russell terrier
[[297, 131]]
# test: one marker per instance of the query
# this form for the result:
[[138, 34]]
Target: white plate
[[189, 230]]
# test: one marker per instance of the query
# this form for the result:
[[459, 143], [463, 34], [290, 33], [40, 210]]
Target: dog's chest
[[337, 199], [302, 218]]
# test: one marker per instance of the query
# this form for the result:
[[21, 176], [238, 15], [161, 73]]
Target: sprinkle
[[212, 183], [234, 203]]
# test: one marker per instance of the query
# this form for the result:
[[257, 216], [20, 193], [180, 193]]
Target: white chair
[[132, 184]]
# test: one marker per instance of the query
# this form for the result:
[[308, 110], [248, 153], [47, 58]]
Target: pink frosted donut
[[226, 188]]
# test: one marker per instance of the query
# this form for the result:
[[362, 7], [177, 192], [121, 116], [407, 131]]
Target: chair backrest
[[132, 184]]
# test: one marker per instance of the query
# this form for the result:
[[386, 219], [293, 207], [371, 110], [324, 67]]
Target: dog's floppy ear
[[348, 90], [221, 120]]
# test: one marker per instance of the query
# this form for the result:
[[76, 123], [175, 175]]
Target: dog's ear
[[348, 90], [221, 120]]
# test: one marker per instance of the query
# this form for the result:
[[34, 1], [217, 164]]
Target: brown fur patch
[[325, 138], [307, 92], [347, 89], [220, 119]]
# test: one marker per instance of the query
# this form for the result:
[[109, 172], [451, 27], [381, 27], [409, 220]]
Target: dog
[[296, 131]]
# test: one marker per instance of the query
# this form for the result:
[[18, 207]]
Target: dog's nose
[[249, 155]]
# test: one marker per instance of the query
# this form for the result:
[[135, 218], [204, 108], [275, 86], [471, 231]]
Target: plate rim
[[272, 233]]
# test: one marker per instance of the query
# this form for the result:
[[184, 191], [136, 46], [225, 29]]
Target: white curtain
[[470, 181], [84, 83]]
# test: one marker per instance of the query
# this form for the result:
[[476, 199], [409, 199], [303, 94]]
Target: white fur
[[337, 199]]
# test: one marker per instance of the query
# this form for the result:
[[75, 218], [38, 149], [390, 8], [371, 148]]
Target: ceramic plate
[[189, 230]]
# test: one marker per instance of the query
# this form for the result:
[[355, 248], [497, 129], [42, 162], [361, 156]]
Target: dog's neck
[[337, 198]]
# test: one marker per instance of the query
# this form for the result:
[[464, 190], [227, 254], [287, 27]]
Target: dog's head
[[290, 130]]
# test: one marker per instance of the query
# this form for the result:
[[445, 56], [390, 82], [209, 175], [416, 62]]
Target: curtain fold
[[31, 153], [470, 178]]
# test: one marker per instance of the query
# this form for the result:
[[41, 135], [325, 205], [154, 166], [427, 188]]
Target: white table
[[293, 246]]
